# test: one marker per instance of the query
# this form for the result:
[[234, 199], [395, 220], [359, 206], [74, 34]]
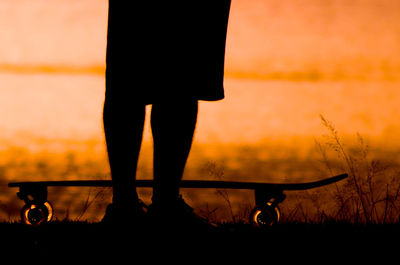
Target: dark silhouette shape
[[169, 54], [265, 213]]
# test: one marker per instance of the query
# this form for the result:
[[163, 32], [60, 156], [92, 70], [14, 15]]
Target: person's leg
[[173, 125], [123, 127]]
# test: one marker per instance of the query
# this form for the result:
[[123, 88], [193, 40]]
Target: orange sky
[[267, 38], [286, 63]]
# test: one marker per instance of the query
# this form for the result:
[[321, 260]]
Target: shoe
[[133, 214], [177, 215]]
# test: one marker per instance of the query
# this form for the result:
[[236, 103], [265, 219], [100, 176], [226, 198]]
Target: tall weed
[[371, 192]]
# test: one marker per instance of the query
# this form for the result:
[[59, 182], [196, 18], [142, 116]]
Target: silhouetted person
[[169, 54]]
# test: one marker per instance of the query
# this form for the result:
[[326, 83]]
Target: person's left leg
[[173, 125]]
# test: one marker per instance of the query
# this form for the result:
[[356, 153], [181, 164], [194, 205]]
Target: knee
[[174, 108]]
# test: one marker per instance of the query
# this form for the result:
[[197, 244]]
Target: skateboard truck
[[37, 209], [266, 212]]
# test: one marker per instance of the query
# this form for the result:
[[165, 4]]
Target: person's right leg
[[123, 128]]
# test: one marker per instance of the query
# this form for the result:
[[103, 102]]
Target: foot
[[133, 214], [177, 215]]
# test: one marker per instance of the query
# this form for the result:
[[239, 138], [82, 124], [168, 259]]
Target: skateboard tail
[[314, 184]]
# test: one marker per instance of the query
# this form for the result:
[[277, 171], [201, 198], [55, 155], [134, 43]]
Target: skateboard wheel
[[35, 214], [264, 217]]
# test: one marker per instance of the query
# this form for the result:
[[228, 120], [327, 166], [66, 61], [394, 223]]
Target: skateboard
[[38, 210]]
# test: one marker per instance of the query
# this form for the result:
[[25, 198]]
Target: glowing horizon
[[285, 65], [266, 39]]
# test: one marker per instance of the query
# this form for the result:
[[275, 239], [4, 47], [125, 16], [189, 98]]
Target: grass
[[369, 196], [371, 193], [361, 211]]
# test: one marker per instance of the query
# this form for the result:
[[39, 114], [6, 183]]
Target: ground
[[79, 241]]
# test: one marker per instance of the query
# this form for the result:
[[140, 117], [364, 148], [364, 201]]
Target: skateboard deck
[[38, 210]]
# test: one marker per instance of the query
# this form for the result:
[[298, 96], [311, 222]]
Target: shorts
[[171, 51]]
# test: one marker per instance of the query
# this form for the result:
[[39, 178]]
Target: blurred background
[[287, 63]]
